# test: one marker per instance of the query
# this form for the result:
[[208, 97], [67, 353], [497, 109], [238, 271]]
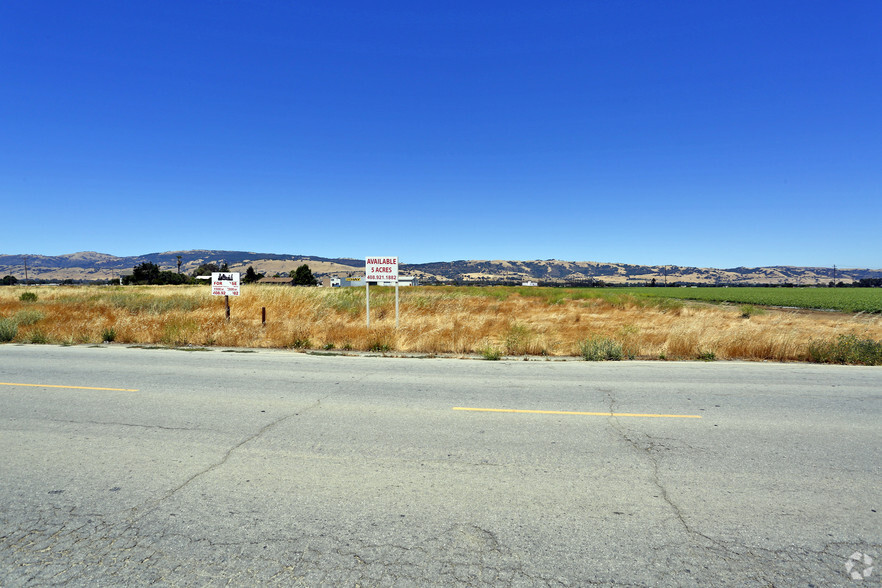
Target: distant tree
[[303, 276], [9, 281], [149, 273], [170, 277], [206, 269], [251, 276], [145, 273]]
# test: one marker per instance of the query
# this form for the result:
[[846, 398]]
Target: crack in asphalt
[[152, 504], [63, 545], [649, 450], [119, 424], [730, 552], [753, 560]]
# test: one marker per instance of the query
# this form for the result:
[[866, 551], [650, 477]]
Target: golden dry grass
[[433, 320]]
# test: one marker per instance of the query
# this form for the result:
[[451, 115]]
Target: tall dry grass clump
[[491, 322]]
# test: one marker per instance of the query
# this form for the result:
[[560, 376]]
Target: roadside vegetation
[[490, 322]]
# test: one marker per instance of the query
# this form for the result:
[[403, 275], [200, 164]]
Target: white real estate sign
[[381, 269], [225, 284]]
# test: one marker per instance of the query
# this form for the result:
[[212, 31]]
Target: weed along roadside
[[489, 322]]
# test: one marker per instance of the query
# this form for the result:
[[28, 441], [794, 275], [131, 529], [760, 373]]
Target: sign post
[[380, 269], [225, 284]]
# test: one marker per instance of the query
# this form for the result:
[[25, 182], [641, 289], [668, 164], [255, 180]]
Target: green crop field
[[841, 299]]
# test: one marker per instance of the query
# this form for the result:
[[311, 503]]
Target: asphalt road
[[281, 468]]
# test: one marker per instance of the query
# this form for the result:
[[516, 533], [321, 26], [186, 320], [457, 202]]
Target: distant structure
[[335, 282], [277, 281], [529, 283], [402, 281]]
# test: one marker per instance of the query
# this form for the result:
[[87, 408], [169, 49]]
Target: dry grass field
[[433, 320]]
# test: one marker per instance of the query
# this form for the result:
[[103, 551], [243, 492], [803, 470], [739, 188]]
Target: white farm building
[[351, 282]]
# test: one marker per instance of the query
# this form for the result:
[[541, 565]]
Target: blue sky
[[714, 134]]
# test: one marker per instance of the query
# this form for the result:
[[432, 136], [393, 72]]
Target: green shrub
[[28, 317], [28, 297], [379, 346], [8, 330], [600, 349], [846, 349], [490, 353], [108, 335], [303, 343], [38, 337], [707, 356], [749, 310], [517, 340]]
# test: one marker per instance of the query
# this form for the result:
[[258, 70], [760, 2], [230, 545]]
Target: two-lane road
[[139, 466]]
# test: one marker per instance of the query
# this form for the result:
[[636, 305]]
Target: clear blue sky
[[684, 132]]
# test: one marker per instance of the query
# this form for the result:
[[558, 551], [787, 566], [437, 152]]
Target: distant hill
[[92, 266], [556, 271], [89, 265]]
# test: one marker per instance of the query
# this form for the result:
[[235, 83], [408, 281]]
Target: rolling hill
[[93, 266]]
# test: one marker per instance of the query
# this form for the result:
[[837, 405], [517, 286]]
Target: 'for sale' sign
[[225, 284], [381, 269]]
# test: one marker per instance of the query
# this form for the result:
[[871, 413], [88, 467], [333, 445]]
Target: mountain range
[[91, 266]]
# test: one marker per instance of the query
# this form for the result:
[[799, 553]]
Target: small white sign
[[225, 284], [381, 269]]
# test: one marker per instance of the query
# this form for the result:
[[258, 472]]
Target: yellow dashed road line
[[71, 387]]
